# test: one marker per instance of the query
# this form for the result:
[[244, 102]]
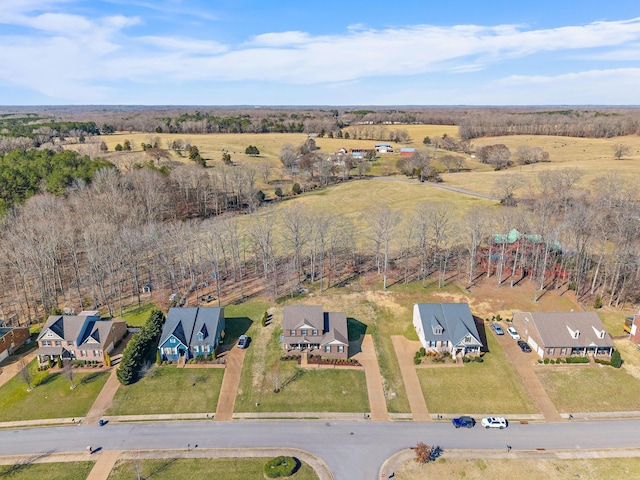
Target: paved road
[[438, 185], [352, 450]]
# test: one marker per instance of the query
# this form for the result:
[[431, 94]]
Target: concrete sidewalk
[[103, 400], [230, 384], [105, 463], [405, 350], [375, 391]]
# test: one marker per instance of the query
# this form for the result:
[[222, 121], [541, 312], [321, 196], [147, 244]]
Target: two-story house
[[311, 329], [83, 337], [191, 332], [11, 338]]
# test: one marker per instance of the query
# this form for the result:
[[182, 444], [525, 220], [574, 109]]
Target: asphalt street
[[352, 450]]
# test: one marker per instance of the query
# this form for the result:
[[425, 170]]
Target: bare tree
[[382, 222], [505, 188], [620, 150], [69, 373], [25, 373]]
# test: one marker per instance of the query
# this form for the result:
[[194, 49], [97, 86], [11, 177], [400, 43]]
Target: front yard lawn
[[50, 471], [169, 389], [51, 396], [227, 468], [490, 387], [590, 389], [136, 316]]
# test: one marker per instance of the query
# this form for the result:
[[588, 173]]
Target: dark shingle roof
[[454, 319], [184, 323]]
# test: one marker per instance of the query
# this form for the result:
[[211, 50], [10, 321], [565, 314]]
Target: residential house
[[563, 334], [309, 328], [190, 332], [12, 338], [84, 337], [407, 151], [447, 327]]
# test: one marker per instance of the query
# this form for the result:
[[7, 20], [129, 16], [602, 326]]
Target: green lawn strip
[[136, 316], [187, 468], [50, 471], [590, 389], [51, 396], [496, 385], [385, 325], [168, 389], [613, 321]]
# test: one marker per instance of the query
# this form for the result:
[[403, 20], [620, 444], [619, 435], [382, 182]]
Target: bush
[[478, 359], [466, 359], [616, 359], [598, 302], [422, 351], [546, 361], [59, 362], [281, 467], [138, 348], [417, 360], [265, 317], [577, 360], [296, 189]]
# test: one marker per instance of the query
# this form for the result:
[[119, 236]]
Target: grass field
[[522, 469], [170, 390], [136, 316], [496, 386], [191, 468], [51, 396], [50, 471], [591, 389]]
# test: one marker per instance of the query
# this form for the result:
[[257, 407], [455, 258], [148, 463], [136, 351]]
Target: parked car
[[497, 328], [243, 341], [524, 346], [464, 421], [514, 333], [495, 422]]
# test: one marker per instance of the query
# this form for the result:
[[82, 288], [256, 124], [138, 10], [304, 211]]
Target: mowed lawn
[[522, 469], [137, 316], [590, 389], [190, 468], [50, 471], [51, 396], [490, 387], [168, 389]]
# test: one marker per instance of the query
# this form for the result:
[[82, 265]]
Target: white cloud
[[80, 54]]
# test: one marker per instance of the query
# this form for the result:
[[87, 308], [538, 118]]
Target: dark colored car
[[243, 341], [523, 346], [464, 421]]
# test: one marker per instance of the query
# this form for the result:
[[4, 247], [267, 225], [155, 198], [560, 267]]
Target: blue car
[[497, 328], [464, 421]]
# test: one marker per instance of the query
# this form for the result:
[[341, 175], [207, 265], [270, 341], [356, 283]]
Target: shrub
[[59, 362], [281, 467], [417, 360], [296, 189], [139, 348], [616, 359], [546, 361], [478, 359], [422, 351], [265, 317], [539, 360], [598, 302], [466, 359], [158, 358], [577, 360], [498, 318]]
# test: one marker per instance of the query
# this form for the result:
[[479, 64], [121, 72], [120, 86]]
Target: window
[[315, 332], [46, 343], [200, 336], [58, 343], [563, 351], [96, 353], [293, 333], [83, 353], [432, 344], [340, 348], [327, 348], [551, 351], [69, 344], [172, 340], [304, 332]]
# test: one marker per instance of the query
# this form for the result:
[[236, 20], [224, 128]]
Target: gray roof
[[556, 329], [295, 316], [454, 321], [335, 328], [185, 323], [78, 329]]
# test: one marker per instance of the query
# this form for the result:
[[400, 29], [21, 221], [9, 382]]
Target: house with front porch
[[12, 338], [78, 337], [311, 329], [191, 332], [564, 334], [447, 327]]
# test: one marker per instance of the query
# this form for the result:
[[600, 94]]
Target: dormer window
[[200, 336], [437, 330]]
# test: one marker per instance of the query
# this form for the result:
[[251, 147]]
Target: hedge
[[281, 467], [139, 347]]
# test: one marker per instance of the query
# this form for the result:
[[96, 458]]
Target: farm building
[[407, 151]]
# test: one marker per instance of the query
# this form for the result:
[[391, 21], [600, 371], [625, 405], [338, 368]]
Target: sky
[[285, 52]]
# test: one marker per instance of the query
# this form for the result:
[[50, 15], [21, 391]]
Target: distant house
[[407, 151], [384, 148], [563, 334], [447, 327], [191, 332], [12, 338], [84, 337], [309, 328]]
